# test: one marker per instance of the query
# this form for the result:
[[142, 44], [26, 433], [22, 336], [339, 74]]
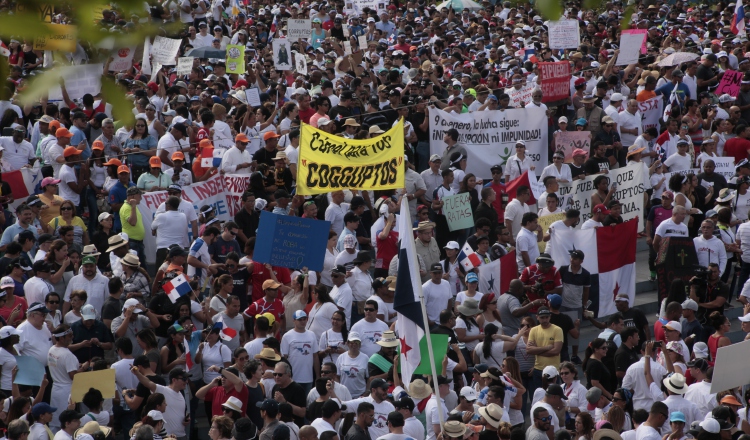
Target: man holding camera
[[710, 293], [541, 279]]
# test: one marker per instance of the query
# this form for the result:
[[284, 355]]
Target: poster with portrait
[[282, 54], [301, 63]]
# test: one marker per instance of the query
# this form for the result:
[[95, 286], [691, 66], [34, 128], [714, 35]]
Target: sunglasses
[[326, 372], [545, 419], [278, 374], [369, 310], [66, 209], [53, 302]]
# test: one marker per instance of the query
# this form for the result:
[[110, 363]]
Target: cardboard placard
[[282, 53], [30, 371], [292, 242], [102, 380], [730, 83], [301, 63], [184, 65], [457, 210], [564, 34], [567, 141], [61, 37], [253, 97], [298, 28], [164, 50], [123, 59], [630, 48]]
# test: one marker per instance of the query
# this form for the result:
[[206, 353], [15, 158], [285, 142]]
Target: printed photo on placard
[[282, 54]]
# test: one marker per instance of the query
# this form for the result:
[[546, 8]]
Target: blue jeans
[[90, 197], [124, 420], [137, 245], [423, 155]]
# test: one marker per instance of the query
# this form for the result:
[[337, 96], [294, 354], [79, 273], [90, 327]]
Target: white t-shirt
[[432, 416], [343, 297], [61, 361], [379, 426], [370, 333], [384, 308], [166, 232], [676, 162], [7, 364], [353, 372], [645, 432], [497, 353], [514, 212], [526, 241], [34, 342], [460, 323], [255, 346], [68, 175], [175, 413], [436, 298], [331, 338], [199, 250], [219, 354], [319, 319], [668, 228], [299, 349]]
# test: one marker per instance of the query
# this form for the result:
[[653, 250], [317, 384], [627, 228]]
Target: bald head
[[307, 432], [516, 286]]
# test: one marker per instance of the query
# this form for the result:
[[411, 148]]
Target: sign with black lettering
[[457, 210]]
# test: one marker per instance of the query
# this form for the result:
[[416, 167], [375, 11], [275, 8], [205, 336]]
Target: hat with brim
[[588, 99], [362, 257], [634, 149], [609, 434], [728, 195], [419, 390], [115, 241], [454, 429], [268, 354], [469, 307], [92, 428], [492, 414], [234, 404], [675, 383], [130, 260], [389, 339], [423, 226]]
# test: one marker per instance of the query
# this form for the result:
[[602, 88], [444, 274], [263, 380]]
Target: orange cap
[[270, 135], [154, 162], [70, 151], [123, 169], [63, 132], [53, 126], [206, 143], [97, 145], [114, 161], [241, 137], [177, 155]]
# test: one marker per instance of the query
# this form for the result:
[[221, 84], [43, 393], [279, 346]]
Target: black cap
[[497, 167], [177, 373], [177, 251], [180, 127], [44, 238], [437, 267], [442, 380], [281, 194], [378, 383], [576, 253], [244, 429], [543, 311], [356, 202], [379, 282], [69, 415], [340, 269], [698, 363], [406, 402], [556, 390], [41, 266]]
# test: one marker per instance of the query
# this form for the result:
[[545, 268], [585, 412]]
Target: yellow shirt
[[136, 232], [542, 338], [53, 210]]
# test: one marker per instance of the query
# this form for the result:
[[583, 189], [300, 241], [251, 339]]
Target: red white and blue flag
[[188, 357], [177, 287], [410, 324], [609, 253], [496, 276], [227, 333], [468, 258], [738, 20]]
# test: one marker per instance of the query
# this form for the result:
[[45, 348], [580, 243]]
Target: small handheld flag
[[188, 357], [217, 156], [226, 332], [738, 20], [177, 287], [207, 155], [468, 258]]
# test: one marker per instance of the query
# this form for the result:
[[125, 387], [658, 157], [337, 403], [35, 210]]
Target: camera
[[657, 344], [701, 277]]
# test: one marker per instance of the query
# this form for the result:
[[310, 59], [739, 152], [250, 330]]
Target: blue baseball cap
[[299, 314], [677, 416], [471, 277], [42, 408], [555, 300]]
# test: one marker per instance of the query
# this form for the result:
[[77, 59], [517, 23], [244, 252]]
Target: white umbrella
[[677, 58], [460, 5]]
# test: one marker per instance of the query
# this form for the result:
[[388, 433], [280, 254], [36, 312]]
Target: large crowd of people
[[256, 351]]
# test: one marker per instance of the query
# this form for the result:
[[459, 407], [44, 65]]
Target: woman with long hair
[[288, 116], [720, 131], [321, 313], [512, 373], [330, 260], [222, 288], [491, 351], [719, 339], [67, 217], [677, 293], [573, 389], [584, 426], [616, 418], [489, 315], [597, 374], [240, 358], [674, 351], [623, 398], [139, 147], [603, 193], [472, 283], [155, 419], [100, 238], [146, 339], [256, 391], [333, 341], [77, 300], [469, 185], [61, 267], [20, 408], [297, 298], [212, 352], [467, 330], [172, 354]]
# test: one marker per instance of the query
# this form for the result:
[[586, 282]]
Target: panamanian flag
[[177, 287], [468, 258], [406, 301], [738, 20], [227, 333], [496, 276], [609, 255]]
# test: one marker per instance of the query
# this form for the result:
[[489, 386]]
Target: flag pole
[[405, 211]]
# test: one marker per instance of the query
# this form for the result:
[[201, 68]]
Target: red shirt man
[[543, 272], [269, 303], [261, 274], [738, 147]]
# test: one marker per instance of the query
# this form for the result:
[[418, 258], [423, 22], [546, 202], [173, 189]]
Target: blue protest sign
[[30, 371], [291, 242]]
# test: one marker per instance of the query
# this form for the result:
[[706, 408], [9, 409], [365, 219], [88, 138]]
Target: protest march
[[353, 220]]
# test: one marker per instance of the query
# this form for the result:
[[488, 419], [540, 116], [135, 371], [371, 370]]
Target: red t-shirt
[[387, 249], [199, 170], [90, 113], [737, 147], [305, 115], [261, 306], [261, 274], [217, 396], [550, 280], [498, 203]]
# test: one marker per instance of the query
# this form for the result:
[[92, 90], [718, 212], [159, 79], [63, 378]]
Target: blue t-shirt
[[140, 160], [683, 92], [78, 136], [119, 194]]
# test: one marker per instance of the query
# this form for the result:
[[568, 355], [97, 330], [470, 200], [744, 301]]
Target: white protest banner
[[184, 65], [630, 48], [253, 97], [300, 63], [564, 34], [651, 111], [164, 50], [567, 141], [123, 59], [298, 28], [490, 136], [155, 71], [146, 64], [630, 188], [724, 166], [223, 193], [347, 48], [517, 96], [362, 41], [79, 80], [282, 52], [537, 187]]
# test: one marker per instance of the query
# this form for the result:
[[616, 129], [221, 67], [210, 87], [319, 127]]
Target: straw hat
[[419, 390], [675, 383], [454, 428], [115, 241], [492, 413], [388, 339], [268, 354], [92, 428]]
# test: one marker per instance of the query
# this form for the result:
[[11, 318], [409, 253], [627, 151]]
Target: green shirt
[[137, 232], [148, 181]]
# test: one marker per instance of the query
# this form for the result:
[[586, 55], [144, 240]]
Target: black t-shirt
[[294, 394], [112, 308], [161, 305], [704, 73], [709, 294], [220, 248], [610, 220], [595, 164], [314, 411], [625, 357], [264, 156], [719, 181], [143, 392], [595, 370], [566, 323], [576, 171], [416, 119], [241, 278], [636, 318], [247, 222]]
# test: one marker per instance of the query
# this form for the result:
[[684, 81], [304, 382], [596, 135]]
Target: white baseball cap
[[88, 312], [132, 302], [452, 245], [469, 394], [7, 282], [154, 414], [550, 371], [9, 331]]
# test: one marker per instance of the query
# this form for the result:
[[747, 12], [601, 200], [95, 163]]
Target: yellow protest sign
[[61, 37], [235, 59], [545, 221], [329, 163], [102, 380]]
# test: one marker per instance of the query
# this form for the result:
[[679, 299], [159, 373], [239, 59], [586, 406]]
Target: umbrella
[[206, 52], [677, 58], [460, 5]]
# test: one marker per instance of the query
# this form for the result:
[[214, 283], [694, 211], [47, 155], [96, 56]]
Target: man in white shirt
[[186, 208], [331, 413], [700, 392], [527, 249], [676, 388], [17, 151], [671, 227], [378, 399], [649, 430], [515, 210], [635, 380], [709, 248], [35, 338], [222, 132], [341, 294], [176, 140], [237, 160], [37, 287], [203, 38], [300, 346], [124, 380], [614, 107], [71, 186], [163, 227], [629, 124], [432, 417], [437, 293], [336, 211], [597, 216], [95, 284], [174, 415], [412, 426]]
